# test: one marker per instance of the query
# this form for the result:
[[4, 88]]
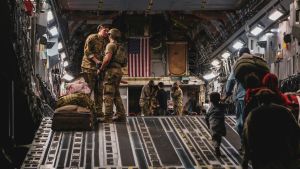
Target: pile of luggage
[[75, 110]]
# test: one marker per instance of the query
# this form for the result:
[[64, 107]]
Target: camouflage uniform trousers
[[145, 107], [90, 78], [178, 108], [112, 95], [154, 107]]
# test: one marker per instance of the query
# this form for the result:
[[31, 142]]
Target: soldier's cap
[[103, 25], [114, 32]]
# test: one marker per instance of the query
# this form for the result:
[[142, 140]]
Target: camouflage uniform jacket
[[94, 44], [177, 97], [147, 93], [112, 48]]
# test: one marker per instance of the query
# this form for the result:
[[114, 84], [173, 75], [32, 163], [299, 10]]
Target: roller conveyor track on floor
[[141, 142]]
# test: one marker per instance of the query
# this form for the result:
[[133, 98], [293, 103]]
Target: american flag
[[139, 60]]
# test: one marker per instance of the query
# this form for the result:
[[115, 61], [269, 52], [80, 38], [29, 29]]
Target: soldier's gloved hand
[[98, 65]]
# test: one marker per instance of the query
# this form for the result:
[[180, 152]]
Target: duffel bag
[[248, 63], [79, 99], [73, 117]]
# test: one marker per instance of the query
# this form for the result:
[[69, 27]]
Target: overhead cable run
[[149, 8], [271, 5], [100, 6], [203, 4], [214, 40]]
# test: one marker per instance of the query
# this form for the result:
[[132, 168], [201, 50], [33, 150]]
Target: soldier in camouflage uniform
[[154, 102], [177, 97], [93, 55], [112, 78], [147, 94]]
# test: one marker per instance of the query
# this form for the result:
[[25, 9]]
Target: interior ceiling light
[[66, 63], [68, 77], [62, 55], [209, 76], [238, 45], [275, 15], [225, 55], [49, 16], [275, 30], [59, 46], [256, 30], [215, 62], [269, 34], [53, 31]]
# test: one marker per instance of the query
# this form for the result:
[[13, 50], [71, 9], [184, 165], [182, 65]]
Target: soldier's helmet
[[114, 33]]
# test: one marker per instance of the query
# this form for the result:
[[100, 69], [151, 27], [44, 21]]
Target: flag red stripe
[[143, 65], [147, 59], [135, 63], [143, 57], [128, 67]]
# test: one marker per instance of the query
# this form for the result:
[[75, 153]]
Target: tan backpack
[[120, 56]]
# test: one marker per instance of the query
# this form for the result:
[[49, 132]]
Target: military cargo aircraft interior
[[150, 84]]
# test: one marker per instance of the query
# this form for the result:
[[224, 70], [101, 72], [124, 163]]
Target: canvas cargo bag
[[79, 99], [248, 63], [73, 117]]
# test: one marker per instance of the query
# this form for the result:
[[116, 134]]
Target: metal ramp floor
[[141, 142]]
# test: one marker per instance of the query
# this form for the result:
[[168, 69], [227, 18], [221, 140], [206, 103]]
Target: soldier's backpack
[[120, 56], [248, 63]]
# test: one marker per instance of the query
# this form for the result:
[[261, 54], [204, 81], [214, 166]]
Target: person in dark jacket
[[239, 97], [271, 136], [215, 121], [162, 99], [252, 85]]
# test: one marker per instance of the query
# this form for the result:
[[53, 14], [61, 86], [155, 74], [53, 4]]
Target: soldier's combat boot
[[217, 152], [100, 117], [108, 118], [119, 118]]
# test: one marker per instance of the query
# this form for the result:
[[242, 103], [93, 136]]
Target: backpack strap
[[113, 63]]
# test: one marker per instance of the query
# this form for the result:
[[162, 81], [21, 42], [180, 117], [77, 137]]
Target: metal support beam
[[251, 21], [54, 12]]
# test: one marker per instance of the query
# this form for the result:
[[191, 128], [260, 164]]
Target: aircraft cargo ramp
[[141, 142]]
